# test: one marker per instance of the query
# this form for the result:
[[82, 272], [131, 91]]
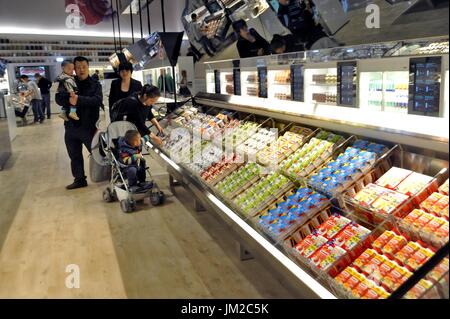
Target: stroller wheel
[[127, 206], [157, 198], [108, 195]]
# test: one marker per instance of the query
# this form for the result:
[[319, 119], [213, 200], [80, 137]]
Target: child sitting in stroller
[[130, 154]]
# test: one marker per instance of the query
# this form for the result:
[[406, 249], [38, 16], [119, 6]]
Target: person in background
[[88, 101], [36, 98], [250, 43], [184, 89], [138, 108], [165, 82], [96, 75], [125, 86], [44, 85], [200, 37], [284, 44]]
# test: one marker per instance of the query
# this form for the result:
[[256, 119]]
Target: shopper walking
[[44, 85], [88, 101], [36, 98], [125, 86], [96, 75]]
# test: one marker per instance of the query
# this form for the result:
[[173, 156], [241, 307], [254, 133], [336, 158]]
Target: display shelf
[[246, 217]]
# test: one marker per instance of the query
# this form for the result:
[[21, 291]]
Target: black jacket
[[248, 49], [296, 17], [137, 113], [90, 99], [44, 85], [116, 93]]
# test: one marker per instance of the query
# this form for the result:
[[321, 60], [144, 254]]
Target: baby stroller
[[119, 188]]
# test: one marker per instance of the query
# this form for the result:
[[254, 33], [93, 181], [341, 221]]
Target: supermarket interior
[[234, 149]]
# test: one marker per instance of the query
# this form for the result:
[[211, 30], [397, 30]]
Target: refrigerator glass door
[[396, 91]]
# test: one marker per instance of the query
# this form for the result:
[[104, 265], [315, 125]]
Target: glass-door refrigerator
[[384, 85]]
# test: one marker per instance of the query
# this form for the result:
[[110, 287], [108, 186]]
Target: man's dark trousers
[[75, 138]]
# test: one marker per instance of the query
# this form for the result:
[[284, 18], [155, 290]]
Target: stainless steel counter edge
[[433, 143], [293, 278]]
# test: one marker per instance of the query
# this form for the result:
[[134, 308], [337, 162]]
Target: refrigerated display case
[[308, 237], [385, 91], [324, 228]]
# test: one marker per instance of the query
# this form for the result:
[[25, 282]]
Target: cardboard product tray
[[393, 158]]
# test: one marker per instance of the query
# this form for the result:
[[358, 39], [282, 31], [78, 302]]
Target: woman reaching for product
[[125, 86], [138, 108]]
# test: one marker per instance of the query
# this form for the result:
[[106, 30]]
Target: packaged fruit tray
[[391, 190], [428, 221], [346, 166], [384, 265], [239, 180], [329, 242], [311, 155], [263, 194], [289, 213], [270, 201]]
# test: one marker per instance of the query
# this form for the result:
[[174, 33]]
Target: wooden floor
[[166, 252]]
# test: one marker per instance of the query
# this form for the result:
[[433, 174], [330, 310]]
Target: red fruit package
[[394, 245], [427, 204], [384, 238]]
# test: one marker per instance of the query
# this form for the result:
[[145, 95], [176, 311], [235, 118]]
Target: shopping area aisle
[[167, 252]]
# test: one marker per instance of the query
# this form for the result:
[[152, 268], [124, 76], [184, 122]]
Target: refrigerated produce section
[[336, 201]]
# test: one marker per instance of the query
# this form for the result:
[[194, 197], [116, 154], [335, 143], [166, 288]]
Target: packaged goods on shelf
[[252, 91], [282, 96], [390, 192], [444, 188], [283, 77], [257, 142], [351, 165], [210, 154], [263, 194], [337, 237], [238, 134], [252, 78], [239, 180], [280, 220], [278, 151], [221, 169], [387, 265], [311, 155], [328, 79], [324, 97], [229, 89]]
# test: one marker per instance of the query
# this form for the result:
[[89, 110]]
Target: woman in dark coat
[[125, 86]]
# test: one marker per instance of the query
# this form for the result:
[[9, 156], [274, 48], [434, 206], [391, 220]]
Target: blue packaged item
[[303, 192], [334, 165], [361, 144], [352, 152]]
